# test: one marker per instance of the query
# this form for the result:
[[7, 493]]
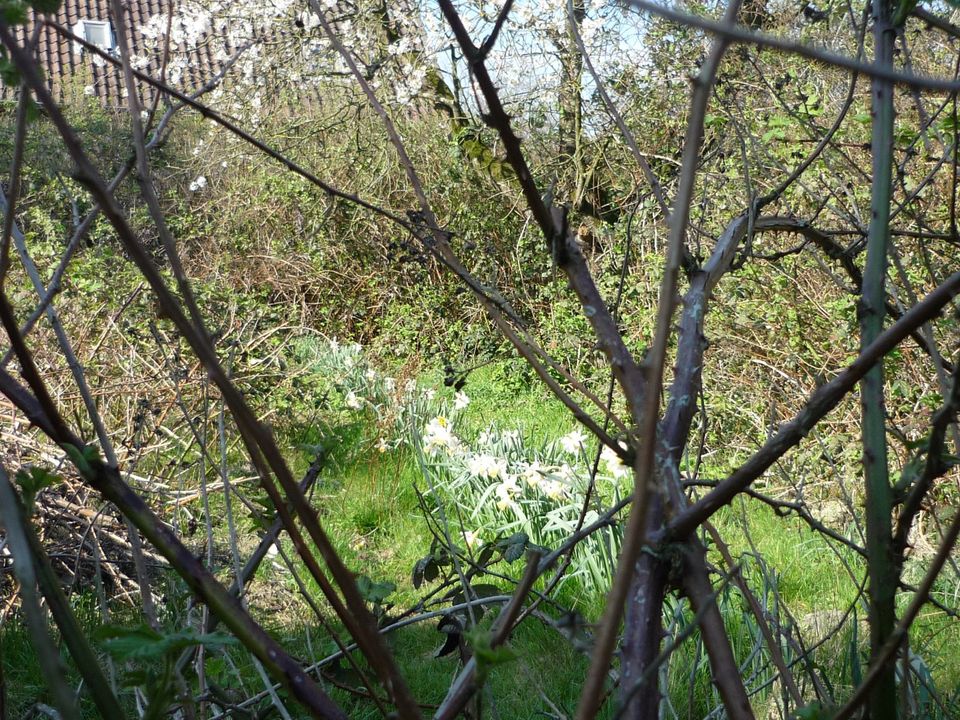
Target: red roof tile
[[70, 69]]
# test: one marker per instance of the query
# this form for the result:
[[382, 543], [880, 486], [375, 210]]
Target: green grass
[[545, 665], [367, 504], [22, 675], [810, 575]]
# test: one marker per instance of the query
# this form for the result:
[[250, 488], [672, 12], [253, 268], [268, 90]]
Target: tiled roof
[[70, 70]]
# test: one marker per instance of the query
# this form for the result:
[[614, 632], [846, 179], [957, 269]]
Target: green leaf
[[9, 74], [312, 448], [813, 711], [427, 569], [856, 671], [14, 12], [486, 555], [267, 504], [374, 592], [481, 641], [949, 123], [143, 642], [83, 459], [33, 110], [32, 481], [45, 6], [905, 135], [904, 8], [346, 674], [711, 119], [485, 590], [513, 547]]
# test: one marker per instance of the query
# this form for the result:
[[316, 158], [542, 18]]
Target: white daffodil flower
[[573, 442]]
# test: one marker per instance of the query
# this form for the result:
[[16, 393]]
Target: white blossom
[[487, 466], [555, 490], [309, 19], [572, 443], [352, 401], [533, 474], [437, 435], [506, 492], [613, 463], [198, 184], [461, 400], [510, 436]]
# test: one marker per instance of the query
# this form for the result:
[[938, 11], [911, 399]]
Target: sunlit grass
[[367, 502]]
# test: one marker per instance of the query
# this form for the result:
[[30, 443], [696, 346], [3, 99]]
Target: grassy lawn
[[368, 504]]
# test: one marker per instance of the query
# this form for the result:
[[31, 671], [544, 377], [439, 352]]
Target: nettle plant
[[491, 485]]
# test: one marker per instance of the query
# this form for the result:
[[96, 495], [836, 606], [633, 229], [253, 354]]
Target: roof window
[[99, 33], [96, 32]]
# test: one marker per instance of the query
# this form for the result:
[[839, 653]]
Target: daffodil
[[614, 463], [533, 474], [555, 490], [438, 435], [572, 443], [486, 466]]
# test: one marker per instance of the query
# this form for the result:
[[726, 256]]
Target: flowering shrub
[[494, 483]]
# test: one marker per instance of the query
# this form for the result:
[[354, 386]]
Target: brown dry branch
[[260, 444], [662, 553]]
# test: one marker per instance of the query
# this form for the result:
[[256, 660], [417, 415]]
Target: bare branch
[[821, 402]]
